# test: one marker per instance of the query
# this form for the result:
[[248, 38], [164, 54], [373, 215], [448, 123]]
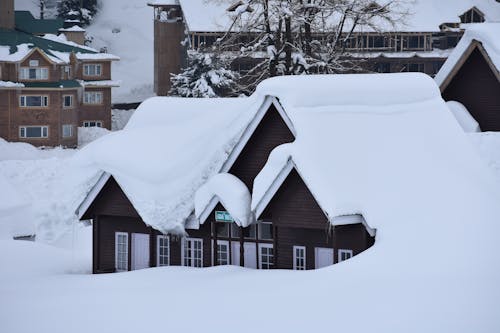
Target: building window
[[248, 232], [67, 131], [413, 68], [265, 230], [163, 251], [92, 70], [222, 229], [383, 67], [266, 256], [34, 63], [299, 258], [67, 101], [344, 254], [121, 251], [92, 123], [34, 132], [222, 252], [33, 101], [92, 97], [192, 253], [472, 16], [29, 73]]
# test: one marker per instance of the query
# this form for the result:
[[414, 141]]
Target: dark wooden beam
[[242, 249]]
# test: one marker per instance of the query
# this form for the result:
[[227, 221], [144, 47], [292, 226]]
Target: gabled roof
[[237, 119], [26, 22], [482, 36], [16, 45]]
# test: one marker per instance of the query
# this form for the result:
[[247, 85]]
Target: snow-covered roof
[[488, 35], [74, 28], [346, 148], [464, 118], [427, 14]]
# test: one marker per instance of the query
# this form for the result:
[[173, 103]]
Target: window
[[92, 97], [33, 101], [28, 73], [92, 123], [344, 254], [299, 258], [222, 229], [163, 251], [266, 256], [222, 252], [34, 132], [248, 232], [121, 251], [92, 70], [192, 253], [67, 131], [67, 101], [34, 63], [383, 67], [413, 68], [265, 230]]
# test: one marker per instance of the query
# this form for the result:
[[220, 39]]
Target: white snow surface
[[464, 118], [486, 33], [125, 28], [231, 192], [9, 84]]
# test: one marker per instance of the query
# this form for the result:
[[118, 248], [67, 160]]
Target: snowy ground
[[48, 288]]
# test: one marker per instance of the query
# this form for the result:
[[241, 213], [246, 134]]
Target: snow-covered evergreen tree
[[82, 10], [204, 76]]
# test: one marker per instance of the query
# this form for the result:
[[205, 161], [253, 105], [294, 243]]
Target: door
[[250, 254], [140, 251], [222, 252], [323, 257]]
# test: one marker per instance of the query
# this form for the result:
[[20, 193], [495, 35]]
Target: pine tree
[[204, 76], [82, 10]]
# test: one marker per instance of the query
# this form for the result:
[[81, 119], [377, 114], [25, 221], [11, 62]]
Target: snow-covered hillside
[[125, 28]]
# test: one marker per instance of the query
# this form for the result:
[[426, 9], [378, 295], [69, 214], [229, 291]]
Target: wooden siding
[[270, 133], [476, 86], [111, 201], [294, 206]]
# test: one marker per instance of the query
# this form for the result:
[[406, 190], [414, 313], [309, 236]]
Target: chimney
[[7, 14]]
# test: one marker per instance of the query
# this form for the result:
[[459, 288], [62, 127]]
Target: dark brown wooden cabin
[[122, 241], [475, 82]]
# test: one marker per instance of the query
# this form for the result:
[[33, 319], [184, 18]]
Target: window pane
[[249, 232], [222, 229], [33, 100], [33, 132], [265, 230]]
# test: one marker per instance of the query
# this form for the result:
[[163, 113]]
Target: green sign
[[223, 216]]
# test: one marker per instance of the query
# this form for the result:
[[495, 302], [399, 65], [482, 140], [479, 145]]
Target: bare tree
[[302, 36]]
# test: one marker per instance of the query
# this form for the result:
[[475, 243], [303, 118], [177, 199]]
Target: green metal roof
[[27, 23], [13, 38], [59, 84]]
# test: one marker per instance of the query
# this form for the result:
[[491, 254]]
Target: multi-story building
[[420, 44], [49, 85]]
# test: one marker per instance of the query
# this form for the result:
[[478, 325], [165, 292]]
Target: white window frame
[[158, 248], [44, 131], [192, 254], [41, 73], [87, 123], [226, 243], [70, 130], [88, 72], [44, 100], [90, 98], [295, 257], [70, 99], [269, 264], [117, 235], [34, 63], [344, 251]]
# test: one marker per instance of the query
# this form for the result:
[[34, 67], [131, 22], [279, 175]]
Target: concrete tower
[[169, 53], [7, 20]]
